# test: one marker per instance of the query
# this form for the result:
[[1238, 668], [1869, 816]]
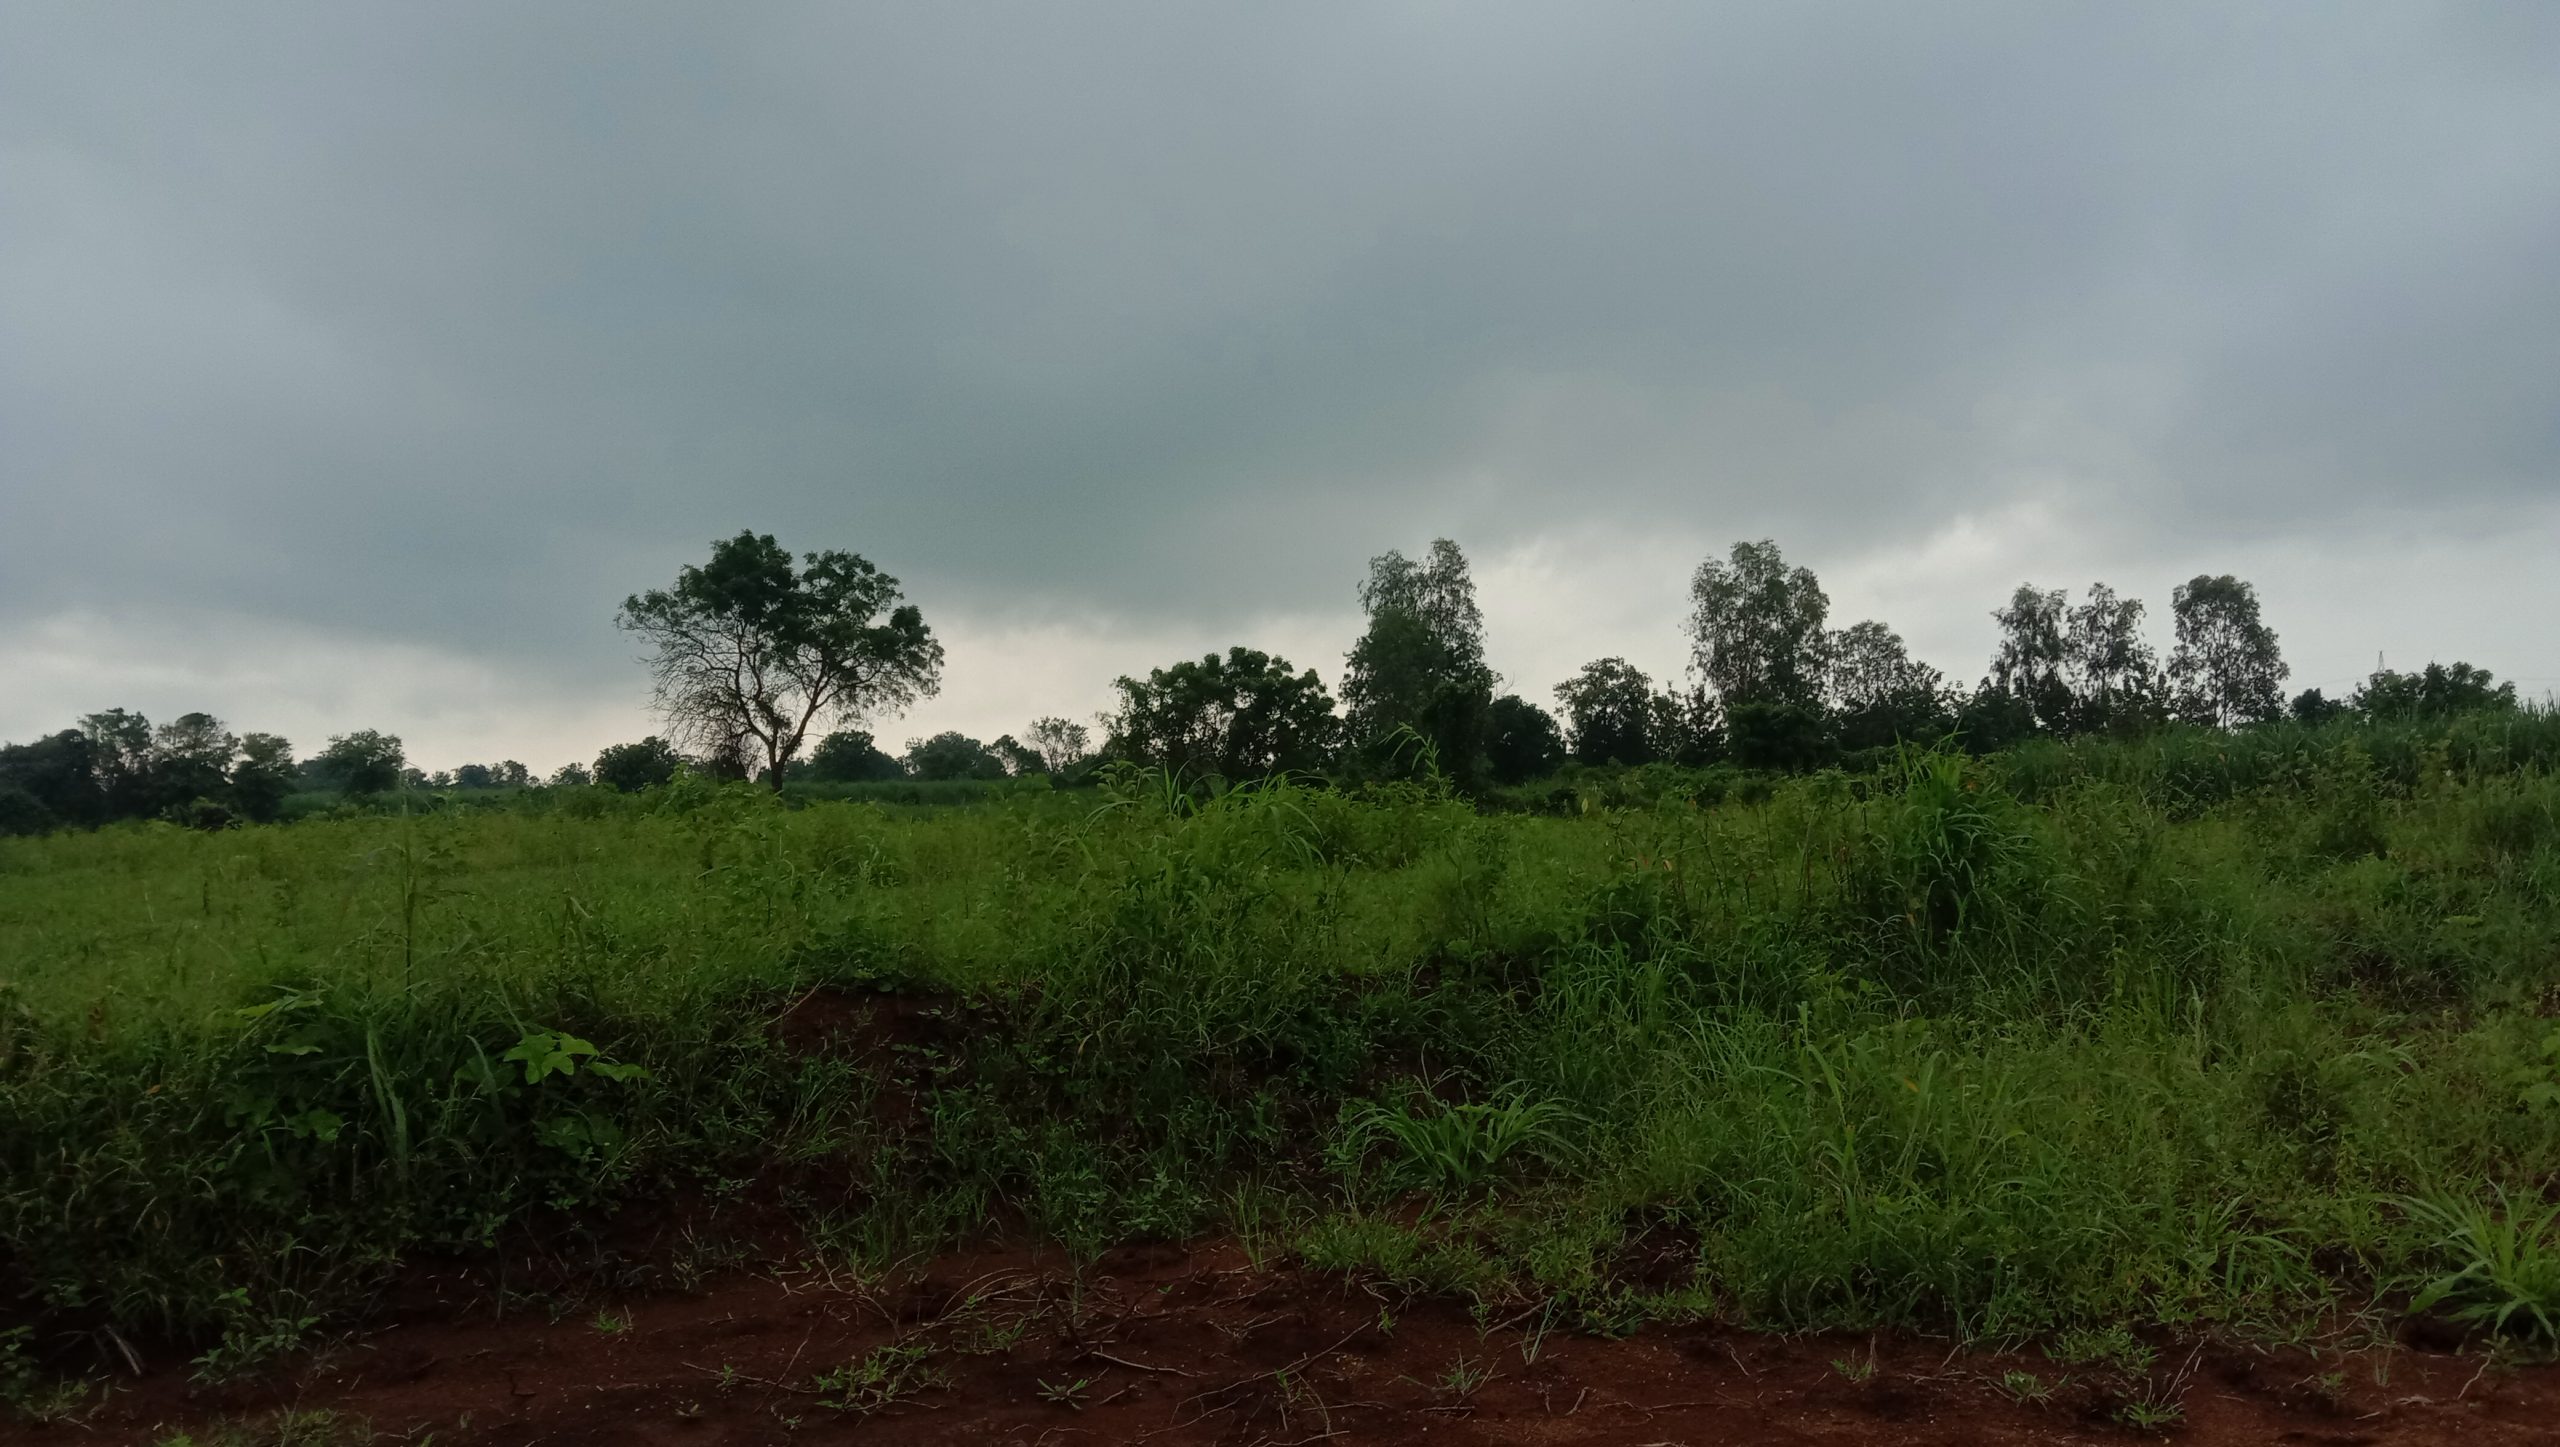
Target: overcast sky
[[356, 360]]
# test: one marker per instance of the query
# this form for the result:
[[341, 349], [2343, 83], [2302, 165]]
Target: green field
[[2252, 1032]]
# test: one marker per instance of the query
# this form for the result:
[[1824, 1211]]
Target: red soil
[[1180, 1345]]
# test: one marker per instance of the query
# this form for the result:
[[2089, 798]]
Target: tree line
[[765, 665], [1773, 685]]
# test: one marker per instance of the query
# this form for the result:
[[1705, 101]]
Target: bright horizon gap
[[477, 710]]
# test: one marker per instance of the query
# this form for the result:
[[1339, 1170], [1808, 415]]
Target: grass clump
[[880, 1378], [1458, 1147], [2507, 1264]]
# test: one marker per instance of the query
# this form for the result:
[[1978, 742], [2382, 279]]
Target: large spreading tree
[[1610, 704], [852, 756], [191, 759], [752, 652], [2435, 692], [633, 767], [1246, 715], [952, 754], [367, 761]]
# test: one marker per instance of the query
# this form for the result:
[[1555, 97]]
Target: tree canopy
[[1061, 743], [636, 766], [1878, 693], [2112, 674], [1242, 716], [2034, 652], [1419, 668], [851, 756], [2436, 691], [1609, 713], [952, 755], [1756, 627], [367, 761], [751, 652], [1525, 742], [1020, 759], [2226, 669]]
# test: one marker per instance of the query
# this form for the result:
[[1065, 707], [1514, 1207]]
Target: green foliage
[[2078, 670], [364, 762], [21, 812], [921, 793], [880, 1378], [751, 650], [1879, 695], [1777, 735], [506, 774], [1757, 628], [1524, 742], [2188, 771], [118, 755], [1951, 856], [254, 1333], [262, 777], [48, 783], [2436, 691], [1689, 729], [2148, 1031], [1609, 709], [293, 1427], [28, 1392], [2506, 1273], [952, 755], [1239, 717], [2115, 682], [1418, 671], [191, 758], [2226, 669], [1460, 1147], [191, 771], [629, 768], [1061, 744], [1018, 758]]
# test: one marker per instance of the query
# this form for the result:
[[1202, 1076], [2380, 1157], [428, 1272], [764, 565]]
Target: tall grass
[[2168, 1032]]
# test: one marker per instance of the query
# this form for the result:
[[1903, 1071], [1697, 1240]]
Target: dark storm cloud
[[454, 323]]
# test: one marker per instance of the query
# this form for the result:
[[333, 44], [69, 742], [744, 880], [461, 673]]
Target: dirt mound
[[1196, 1344], [865, 1024]]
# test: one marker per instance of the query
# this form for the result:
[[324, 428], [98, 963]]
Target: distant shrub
[[630, 768]]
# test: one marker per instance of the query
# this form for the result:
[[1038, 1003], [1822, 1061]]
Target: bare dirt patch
[[1193, 1344], [866, 1025]]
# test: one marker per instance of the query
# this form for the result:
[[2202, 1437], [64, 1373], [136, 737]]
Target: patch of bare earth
[[1178, 1345]]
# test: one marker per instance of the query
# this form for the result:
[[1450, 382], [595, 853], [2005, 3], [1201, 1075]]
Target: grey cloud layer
[[454, 323]]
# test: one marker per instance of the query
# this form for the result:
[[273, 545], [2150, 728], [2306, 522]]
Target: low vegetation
[[2251, 1032]]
